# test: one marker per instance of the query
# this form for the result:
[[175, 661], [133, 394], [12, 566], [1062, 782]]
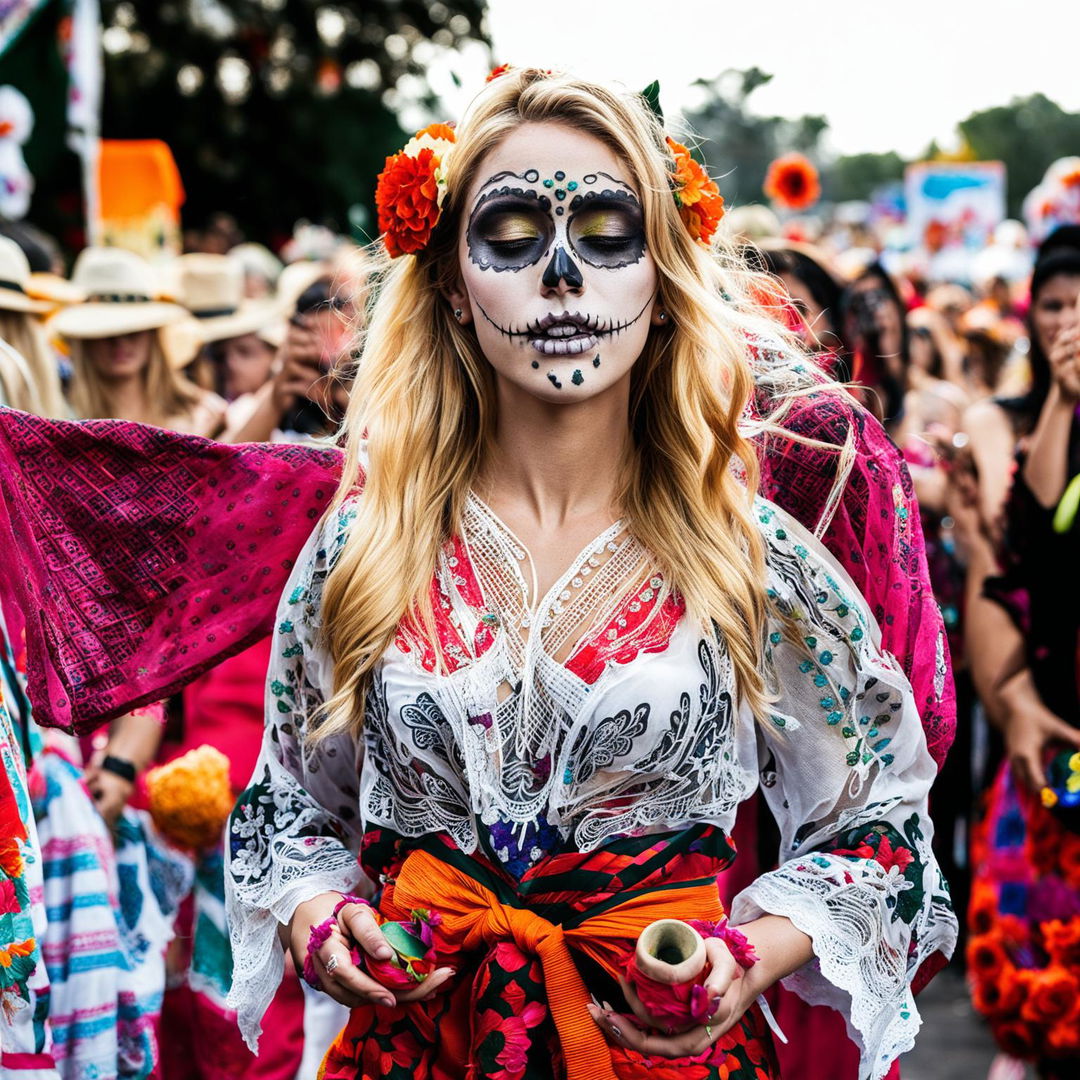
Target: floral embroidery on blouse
[[602, 711]]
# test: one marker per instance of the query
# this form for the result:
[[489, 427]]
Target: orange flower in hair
[[701, 206], [495, 72], [792, 182], [411, 188]]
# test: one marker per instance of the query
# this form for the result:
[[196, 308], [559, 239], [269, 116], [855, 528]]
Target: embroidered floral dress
[[578, 756]]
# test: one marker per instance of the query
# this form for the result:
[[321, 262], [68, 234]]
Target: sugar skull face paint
[[554, 263]]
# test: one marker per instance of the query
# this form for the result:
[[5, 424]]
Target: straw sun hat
[[211, 287], [15, 281], [123, 296]]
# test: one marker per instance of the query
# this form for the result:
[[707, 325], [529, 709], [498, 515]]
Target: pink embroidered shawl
[[876, 535], [140, 558], [137, 558]]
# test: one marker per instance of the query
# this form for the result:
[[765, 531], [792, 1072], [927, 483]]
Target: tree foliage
[[739, 143], [275, 110], [1029, 134], [856, 176]]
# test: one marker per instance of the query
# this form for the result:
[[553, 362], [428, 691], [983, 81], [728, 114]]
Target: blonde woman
[[29, 379], [546, 641], [122, 367]]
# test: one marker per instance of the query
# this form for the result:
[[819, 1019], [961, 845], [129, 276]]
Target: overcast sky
[[888, 76]]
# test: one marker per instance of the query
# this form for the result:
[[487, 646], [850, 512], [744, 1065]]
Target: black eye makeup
[[606, 229], [512, 227], [509, 229]]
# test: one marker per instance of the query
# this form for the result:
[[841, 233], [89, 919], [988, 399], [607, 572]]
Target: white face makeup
[[554, 266]]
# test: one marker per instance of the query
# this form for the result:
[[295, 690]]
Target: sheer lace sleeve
[[843, 763], [295, 831]]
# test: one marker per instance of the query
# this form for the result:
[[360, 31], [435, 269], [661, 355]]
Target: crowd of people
[[915, 445]]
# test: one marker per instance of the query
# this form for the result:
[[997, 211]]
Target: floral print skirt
[[506, 1015], [1024, 950]]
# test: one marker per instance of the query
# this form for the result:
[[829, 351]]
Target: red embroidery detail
[[640, 632]]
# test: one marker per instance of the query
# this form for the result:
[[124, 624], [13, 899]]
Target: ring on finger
[[332, 964]]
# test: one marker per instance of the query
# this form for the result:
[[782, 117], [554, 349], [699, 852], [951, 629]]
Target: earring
[[457, 314], [663, 316]]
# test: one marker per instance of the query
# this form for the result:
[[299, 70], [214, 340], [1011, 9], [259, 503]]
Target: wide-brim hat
[[211, 287], [123, 296], [250, 317], [14, 279], [54, 290]]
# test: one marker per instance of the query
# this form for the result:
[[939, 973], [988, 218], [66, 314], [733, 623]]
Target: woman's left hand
[[732, 988]]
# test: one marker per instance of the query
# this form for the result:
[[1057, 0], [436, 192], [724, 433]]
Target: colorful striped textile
[[25, 1042], [109, 903]]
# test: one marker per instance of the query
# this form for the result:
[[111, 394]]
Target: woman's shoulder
[[988, 419]]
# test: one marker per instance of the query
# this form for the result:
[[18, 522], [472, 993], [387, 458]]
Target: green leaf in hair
[[651, 94]]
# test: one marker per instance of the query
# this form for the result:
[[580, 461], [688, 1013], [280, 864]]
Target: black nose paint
[[562, 268]]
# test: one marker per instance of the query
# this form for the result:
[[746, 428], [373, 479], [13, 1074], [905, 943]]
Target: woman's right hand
[[1029, 730], [1064, 360], [356, 928]]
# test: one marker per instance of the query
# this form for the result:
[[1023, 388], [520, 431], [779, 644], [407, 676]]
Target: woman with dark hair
[[998, 425], [876, 332], [1023, 635], [816, 294]]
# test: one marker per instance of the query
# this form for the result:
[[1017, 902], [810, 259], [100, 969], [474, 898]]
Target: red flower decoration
[[792, 182], [495, 72], [889, 857], [409, 193]]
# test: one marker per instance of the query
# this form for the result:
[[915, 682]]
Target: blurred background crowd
[[186, 192]]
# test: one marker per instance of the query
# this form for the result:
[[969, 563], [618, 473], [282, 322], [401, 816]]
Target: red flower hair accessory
[[701, 206], [792, 182], [411, 190]]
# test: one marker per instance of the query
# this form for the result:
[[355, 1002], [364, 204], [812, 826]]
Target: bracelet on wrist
[[316, 939], [736, 941], [121, 767], [348, 898], [320, 934]]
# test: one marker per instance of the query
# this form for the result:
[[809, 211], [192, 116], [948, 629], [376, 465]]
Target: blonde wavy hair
[[38, 389], [169, 393], [422, 412]]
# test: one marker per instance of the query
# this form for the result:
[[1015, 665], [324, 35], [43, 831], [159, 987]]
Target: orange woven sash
[[474, 917]]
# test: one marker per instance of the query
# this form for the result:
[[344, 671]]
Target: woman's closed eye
[[509, 237], [510, 229], [608, 236]]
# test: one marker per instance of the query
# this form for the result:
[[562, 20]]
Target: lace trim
[[843, 907]]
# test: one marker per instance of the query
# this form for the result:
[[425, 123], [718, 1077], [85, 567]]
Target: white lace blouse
[[602, 709]]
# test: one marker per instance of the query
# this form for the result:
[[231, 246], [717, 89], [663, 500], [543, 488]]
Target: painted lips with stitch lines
[[564, 335], [567, 333]]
